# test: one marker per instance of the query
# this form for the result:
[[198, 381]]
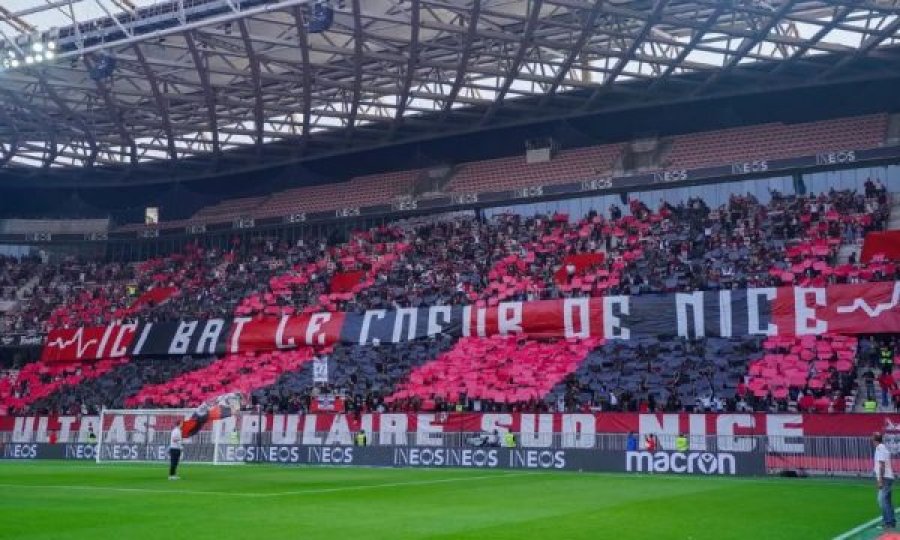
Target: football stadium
[[449, 269]]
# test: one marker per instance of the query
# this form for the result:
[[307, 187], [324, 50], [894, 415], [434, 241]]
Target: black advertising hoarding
[[22, 340], [487, 458]]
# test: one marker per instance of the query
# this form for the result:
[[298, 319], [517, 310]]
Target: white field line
[[164, 465], [859, 529], [264, 495]]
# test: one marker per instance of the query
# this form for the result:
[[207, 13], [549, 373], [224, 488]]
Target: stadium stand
[[514, 172], [364, 374], [497, 369], [242, 373], [110, 389], [792, 239], [39, 380], [771, 141], [360, 191], [229, 210], [659, 374], [716, 147], [510, 257]]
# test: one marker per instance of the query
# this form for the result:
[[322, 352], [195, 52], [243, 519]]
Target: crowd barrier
[[753, 455]]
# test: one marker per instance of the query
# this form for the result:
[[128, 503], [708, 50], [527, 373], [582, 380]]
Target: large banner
[[786, 311], [731, 431], [718, 443]]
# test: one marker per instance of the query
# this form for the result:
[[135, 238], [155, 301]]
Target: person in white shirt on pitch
[[175, 448], [884, 476]]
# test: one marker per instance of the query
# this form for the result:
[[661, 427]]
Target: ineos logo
[[528, 192], [596, 184], [406, 205], [465, 198], [677, 175], [759, 165], [840, 156]]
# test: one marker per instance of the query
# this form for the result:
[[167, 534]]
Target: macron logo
[[682, 463], [78, 338], [873, 312]]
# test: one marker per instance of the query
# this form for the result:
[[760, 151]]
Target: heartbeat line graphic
[[873, 312], [78, 338]]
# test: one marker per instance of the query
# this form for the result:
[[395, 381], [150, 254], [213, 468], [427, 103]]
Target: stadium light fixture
[[36, 53]]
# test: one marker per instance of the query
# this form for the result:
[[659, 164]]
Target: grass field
[[44, 500]]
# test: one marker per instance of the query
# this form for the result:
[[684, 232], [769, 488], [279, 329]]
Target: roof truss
[[250, 86]]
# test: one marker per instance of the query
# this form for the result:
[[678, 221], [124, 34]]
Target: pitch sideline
[[860, 528], [265, 495]]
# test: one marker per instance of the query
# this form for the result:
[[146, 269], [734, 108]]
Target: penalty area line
[[859, 528]]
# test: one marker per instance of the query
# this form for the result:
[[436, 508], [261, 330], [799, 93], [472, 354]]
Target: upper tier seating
[[361, 191], [228, 210], [716, 147], [514, 172], [774, 141]]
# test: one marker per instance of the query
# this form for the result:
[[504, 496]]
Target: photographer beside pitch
[[884, 476]]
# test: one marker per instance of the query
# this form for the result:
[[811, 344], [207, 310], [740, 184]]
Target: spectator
[[887, 385], [631, 442]]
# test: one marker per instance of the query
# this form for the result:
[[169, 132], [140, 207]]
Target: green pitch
[[50, 500]]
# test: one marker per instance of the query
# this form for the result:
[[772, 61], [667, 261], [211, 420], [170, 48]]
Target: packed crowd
[[877, 360], [688, 246], [468, 259]]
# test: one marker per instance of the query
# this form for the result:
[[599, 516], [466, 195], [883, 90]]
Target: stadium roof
[[141, 90]]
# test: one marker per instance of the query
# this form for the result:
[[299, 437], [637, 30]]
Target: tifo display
[[682, 308]]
